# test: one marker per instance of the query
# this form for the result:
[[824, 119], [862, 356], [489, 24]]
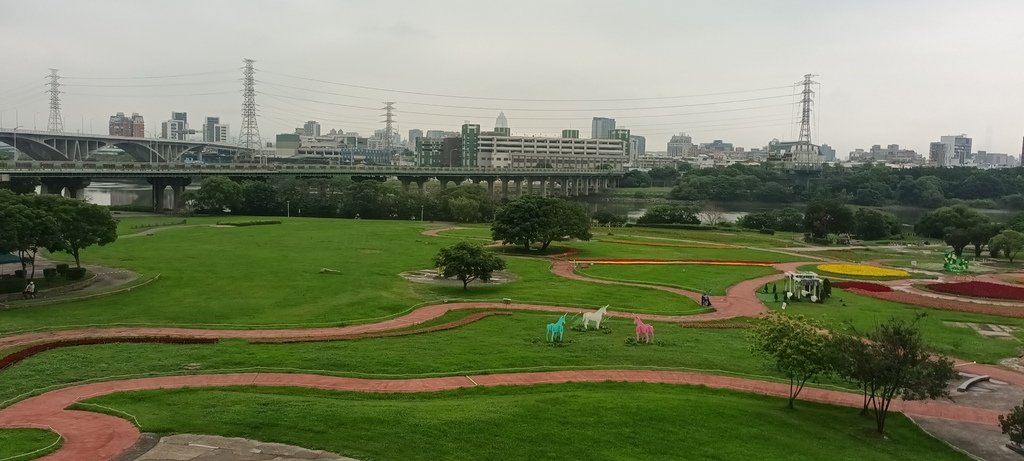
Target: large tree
[[796, 346], [467, 262], [532, 218], [81, 225], [893, 362], [825, 217], [1009, 242], [217, 193], [958, 226], [874, 224]]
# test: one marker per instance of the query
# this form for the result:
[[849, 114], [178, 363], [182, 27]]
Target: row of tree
[[29, 223], [960, 226], [864, 185], [343, 198], [889, 362]]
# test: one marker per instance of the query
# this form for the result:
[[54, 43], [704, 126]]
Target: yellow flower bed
[[862, 270]]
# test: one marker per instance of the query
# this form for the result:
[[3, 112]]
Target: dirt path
[[90, 435]]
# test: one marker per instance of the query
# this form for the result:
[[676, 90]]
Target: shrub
[[76, 273], [50, 272], [20, 273], [767, 231], [11, 285], [863, 286], [248, 223], [62, 269]]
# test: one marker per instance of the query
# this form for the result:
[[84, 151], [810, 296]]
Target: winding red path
[[89, 435], [94, 436]]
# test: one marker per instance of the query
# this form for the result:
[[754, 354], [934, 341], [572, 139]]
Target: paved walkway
[[191, 447], [89, 435]]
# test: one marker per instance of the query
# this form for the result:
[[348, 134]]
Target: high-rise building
[[622, 134], [953, 150], [827, 152], [176, 127], [311, 128], [501, 121], [414, 134], [637, 147], [138, 126], [680, 145], [121, 125], [571, 134], [470, 144], [209, 129], [717, 146], [601, 128]]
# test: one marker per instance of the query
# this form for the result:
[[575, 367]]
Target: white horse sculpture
[[595, 317]]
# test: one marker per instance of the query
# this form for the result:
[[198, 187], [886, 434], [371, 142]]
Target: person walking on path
[[30, 291]]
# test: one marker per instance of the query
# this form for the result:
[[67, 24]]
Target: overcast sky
[[902, 72]]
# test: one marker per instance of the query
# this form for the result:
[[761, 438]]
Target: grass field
[[694, 277], [538, 422], [269, 275], [864, 313], [34, 443], [499, 343]]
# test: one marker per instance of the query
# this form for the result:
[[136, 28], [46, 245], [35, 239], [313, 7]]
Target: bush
[[76, 273], [767, 231], [20, 273], [62, 269], [248, 223], [50, 272], [11, 285]]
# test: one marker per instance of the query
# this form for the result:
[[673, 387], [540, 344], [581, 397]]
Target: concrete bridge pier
[[159, 187], [178, 191], [586, 186], [504, 187], [56, 186]]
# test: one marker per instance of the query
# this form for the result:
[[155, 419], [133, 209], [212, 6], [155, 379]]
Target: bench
[[972, 381]]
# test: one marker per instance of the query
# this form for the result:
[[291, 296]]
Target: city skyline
[[857, 105]]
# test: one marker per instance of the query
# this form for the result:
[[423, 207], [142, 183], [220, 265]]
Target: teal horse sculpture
[[556, 328]]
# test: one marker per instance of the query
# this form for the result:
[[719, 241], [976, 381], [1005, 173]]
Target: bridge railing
[[11, 166]]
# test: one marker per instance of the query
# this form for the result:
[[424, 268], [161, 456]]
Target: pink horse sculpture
[[643, 329]]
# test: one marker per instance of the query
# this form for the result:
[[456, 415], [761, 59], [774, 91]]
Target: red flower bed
[[980, 290], [33, 350], [865, 286]]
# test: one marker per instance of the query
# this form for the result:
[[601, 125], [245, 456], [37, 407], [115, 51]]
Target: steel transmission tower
[[805, 118], [249, 136], [56, 122], [389, 119]]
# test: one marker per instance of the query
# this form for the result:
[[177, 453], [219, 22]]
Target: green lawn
[[884, 253], [595, 421], [32, 443], [865, 312], [494, 344], [598, 249], [693, 277], [270, 276], [741, 238]]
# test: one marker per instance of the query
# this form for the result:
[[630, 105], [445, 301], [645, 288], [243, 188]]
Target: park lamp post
[[16, 151]]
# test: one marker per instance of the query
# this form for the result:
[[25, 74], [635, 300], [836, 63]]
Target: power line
[[226, 71], [489, 98], [121, 85]]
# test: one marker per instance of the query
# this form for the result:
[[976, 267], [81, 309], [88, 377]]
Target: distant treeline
[[863, 185]]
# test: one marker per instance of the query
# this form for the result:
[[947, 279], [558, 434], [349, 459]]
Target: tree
[[25, 228], [635, 178], [532, 218], [663, 175], [981, 234], [1012, 424], [796, 346], [467, 262], [670, 214], [81, 225], [259, 198], [1009, 242], [217, 193], [874, 224], [825, 217], [607, 218], [957, 225], [711, 215], [894, 363]]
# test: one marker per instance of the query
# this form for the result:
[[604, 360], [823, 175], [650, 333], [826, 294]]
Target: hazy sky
[[901, 72]]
